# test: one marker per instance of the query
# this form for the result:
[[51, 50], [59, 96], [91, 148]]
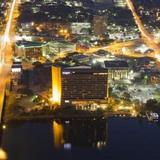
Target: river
[[112, 139]]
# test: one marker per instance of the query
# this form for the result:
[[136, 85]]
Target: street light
[[4, 127]]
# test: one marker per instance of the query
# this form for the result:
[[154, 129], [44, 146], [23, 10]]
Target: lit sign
[[66, 73], [15, 70], [100, 73], [67, 146]]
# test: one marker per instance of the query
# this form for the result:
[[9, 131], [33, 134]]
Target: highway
[[147, 37], [6, 51], [115, 48]]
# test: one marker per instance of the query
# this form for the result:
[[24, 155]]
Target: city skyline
[[79, 72]]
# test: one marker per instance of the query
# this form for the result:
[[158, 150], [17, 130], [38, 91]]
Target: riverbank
[[35, 108], [60, 113]]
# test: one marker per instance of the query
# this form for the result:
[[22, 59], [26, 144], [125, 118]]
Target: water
[[116, 138]]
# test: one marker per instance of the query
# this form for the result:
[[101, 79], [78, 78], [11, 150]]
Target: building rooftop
[[61, 44], [116, 64], [83, 70], [79, 67], [30, 44]]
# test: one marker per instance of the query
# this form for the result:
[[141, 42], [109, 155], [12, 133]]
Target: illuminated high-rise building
[[79, 83]]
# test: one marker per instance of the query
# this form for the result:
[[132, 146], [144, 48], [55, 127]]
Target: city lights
[[74, 73], [5, 39]]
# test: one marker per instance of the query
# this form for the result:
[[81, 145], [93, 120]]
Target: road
[[6, 50], [147, 37], [121, 48], [116, 48]]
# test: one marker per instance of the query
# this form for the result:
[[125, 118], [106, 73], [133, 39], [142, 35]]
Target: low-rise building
[[16, 74], [100, 25], [57, 47], [28, 49], [117, 69], [80, 28], [120, 3]]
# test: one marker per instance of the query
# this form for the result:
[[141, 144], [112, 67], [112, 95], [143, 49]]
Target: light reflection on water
[[58, 134], [112, 139], [3, 154], [91, 133]]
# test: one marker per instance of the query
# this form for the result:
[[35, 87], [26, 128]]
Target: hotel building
[[80, 83]]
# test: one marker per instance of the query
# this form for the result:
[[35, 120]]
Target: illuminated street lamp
[[134, 113], [64, 32], [4, 127]]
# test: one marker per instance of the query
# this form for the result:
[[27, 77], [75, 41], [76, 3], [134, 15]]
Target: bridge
[[2, 104], [6, 51]]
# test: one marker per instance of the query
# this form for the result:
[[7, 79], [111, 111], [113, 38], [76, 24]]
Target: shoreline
[[23, 118]]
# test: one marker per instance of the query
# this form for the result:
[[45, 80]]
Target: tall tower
[[56, 85]]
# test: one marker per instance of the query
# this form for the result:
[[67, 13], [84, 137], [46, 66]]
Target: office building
[[80, 28], [117, 69], [16, 75], [61, 46], [120, 3], [28, 49]]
